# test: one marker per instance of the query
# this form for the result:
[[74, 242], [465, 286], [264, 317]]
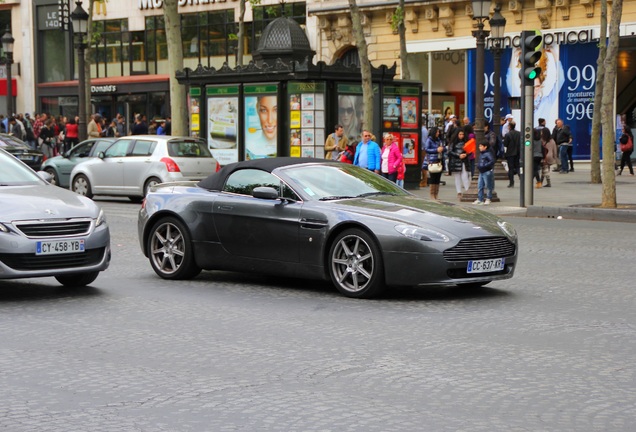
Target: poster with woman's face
[[261, 126], [350, 116]]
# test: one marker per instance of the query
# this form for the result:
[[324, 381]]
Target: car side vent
[[480, 248], [65, 228]]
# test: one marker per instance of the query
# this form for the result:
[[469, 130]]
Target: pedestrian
[[121, 126], [627, 148], [161, 130], [47, 139], [486, 167], [368, 153], [537, 156], [512, 144], [94, 127], [139, 127], [16, 128], [435, 154], [563, 138], [400, 174], [336, 143], [550, 155], [505, 128], [391, 157], [72, 134], [458, 164]]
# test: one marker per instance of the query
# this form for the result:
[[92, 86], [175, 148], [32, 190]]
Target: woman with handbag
[[627, 148], [458, 163], [391, 157], [435, 155]]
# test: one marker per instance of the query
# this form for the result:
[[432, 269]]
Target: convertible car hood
[[43, 202], [420, 212]]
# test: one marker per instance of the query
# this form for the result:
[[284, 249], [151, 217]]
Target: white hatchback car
[[132, 165]]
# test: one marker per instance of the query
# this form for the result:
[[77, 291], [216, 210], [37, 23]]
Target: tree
[[609, 176], [598, 99], [397, 24], [365, 65], [179, 112], [241, 29]]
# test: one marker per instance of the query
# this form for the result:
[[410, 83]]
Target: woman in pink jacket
[[391, 157]]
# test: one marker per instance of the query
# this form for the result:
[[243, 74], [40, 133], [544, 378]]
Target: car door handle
[[225, 207]]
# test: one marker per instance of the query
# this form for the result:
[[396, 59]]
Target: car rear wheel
[[151, 182], [355, 264], [170, 250], [82, 186], [78, 279], [55, 180]]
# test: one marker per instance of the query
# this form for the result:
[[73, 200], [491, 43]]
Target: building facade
[[129, 67]]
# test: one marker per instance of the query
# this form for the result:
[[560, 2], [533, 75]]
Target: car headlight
[[508, 229], [101, 218], [3, 228], [424, 234]]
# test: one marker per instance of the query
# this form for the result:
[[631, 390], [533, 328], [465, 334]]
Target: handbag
[[435, 167]]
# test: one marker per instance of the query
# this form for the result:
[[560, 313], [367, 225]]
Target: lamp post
[[7, 47], [79, 18], [497, 28], [481, 12]]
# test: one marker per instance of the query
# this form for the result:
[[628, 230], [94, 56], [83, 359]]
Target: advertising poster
[[222, 123], [410, 110], [391, 112], [193, 110], [308, 102], [261, 122], [350, 109], [409, 147]]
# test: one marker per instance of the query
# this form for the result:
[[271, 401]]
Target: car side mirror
[[101, 155], [265, 192], [45, 176]]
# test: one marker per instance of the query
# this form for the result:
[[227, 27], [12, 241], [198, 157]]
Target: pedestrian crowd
[[54, 135]]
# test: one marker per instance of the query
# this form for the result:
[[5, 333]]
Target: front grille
[[480, 248], [64, 228], [30, 262]]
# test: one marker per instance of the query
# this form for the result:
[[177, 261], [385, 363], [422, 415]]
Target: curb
[[584, 213]]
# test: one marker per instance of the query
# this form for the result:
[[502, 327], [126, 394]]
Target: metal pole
[[9, 85], [527, 140], [81, 124], [480, 35], [496, 115]]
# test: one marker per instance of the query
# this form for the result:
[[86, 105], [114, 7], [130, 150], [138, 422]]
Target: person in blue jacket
[[368, 153]]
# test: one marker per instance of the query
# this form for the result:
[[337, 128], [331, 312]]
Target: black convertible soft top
[[216, 181]]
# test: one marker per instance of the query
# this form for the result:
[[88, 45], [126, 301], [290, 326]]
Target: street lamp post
[[497, 28], [79, 18], [481, 12], [7, 47]]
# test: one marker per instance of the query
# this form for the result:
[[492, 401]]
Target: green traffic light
[[527, 143], [533, 74]]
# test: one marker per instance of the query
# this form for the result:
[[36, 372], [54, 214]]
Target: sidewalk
[[572, 196]]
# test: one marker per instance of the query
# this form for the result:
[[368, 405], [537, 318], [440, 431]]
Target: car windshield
[[9, 141], [340, 181], [188, 148], [15, 173]]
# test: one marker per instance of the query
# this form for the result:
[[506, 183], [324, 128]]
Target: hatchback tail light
[[218, 166], [170, 165]]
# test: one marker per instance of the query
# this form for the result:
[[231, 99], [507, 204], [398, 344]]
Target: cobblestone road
[[550, 350]]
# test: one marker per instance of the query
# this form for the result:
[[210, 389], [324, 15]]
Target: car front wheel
[[355, 264], [54, 178], [170, 250], [82, 186], [77, 280]]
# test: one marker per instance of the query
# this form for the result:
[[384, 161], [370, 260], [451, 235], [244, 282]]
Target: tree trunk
[[595, 144], [178, 112], [241, 32], [365, 66], [406, 73], [609, 147]]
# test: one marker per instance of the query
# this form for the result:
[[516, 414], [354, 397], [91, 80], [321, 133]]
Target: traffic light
[[531, 54]]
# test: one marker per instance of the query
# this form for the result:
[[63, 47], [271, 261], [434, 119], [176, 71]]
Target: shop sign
[[104, 89], [158, 4], [48, 18]]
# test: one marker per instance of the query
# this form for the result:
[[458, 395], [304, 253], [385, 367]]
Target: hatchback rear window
[[188, 148]]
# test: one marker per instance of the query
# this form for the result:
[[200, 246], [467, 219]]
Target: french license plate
[[27, 158], [59, 247], [486, 266]]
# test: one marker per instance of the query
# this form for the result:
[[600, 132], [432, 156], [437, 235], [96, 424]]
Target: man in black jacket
[[512, 143], [563, 138]]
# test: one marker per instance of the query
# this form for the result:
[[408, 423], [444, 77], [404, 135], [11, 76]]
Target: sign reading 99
[[580, 97]]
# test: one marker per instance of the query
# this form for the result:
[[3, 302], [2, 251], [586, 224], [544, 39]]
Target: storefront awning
[[3, 87], [437, 45]]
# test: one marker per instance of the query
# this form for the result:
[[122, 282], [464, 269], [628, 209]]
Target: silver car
[[48, 231], [60, 167], [132, 165]]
